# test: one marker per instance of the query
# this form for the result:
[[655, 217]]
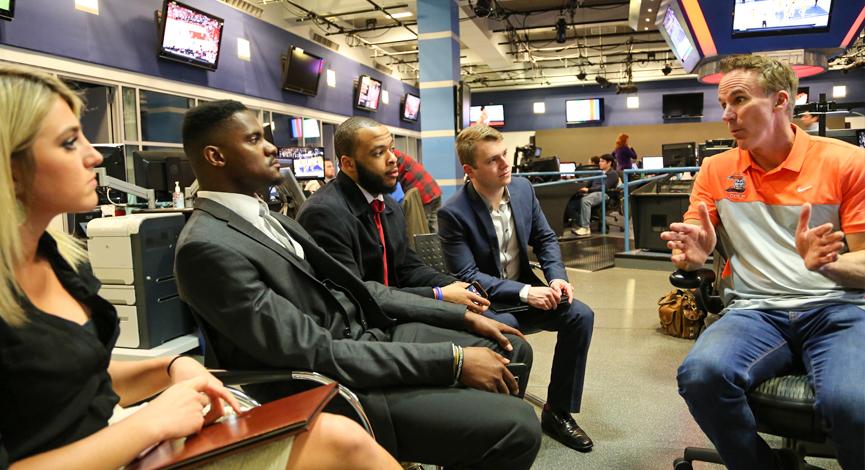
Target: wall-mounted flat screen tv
[[584, 111], [368, 93], [410, 108], [764, 17], [190, 35], [301, 71], [488, 115], [674, 28], [802, 95], [683, 105], [7, 9]]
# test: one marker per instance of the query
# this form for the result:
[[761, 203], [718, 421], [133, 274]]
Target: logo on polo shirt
[[738, 183]]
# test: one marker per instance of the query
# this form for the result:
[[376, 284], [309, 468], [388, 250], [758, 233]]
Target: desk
[[554, 200], [174, 347]]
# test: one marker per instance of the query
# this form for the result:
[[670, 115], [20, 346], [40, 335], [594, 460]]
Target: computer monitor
[[567, 167], [159, 169], [653, 163], [114, 162], [545, 164], [679, 155]]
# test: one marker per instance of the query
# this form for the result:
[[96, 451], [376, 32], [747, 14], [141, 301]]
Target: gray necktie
[[275, 229]]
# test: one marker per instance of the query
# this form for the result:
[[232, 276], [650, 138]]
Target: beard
[[372, 182]]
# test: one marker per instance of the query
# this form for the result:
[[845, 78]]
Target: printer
[[133, 256]]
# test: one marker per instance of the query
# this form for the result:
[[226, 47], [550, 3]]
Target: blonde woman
[[58, 384]]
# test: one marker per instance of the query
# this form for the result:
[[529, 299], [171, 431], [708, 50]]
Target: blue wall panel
[[519, 115], [124, 36]]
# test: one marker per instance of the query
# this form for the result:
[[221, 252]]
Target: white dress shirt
[[506, 233], [249, 208]]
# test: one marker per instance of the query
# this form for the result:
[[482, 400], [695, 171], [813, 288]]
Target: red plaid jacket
[[413, 175]]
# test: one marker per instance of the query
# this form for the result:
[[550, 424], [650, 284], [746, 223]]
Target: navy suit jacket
[[471, 248]]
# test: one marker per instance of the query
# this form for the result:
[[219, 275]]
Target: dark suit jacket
[[266, 308], [471, 248], [340, 220]]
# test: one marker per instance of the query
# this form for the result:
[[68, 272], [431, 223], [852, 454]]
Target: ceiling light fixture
[[602, 81], [483, 8], [581, 75], [561, 30], [667, 69]]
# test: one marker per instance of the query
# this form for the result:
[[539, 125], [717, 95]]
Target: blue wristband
[[437, 293]]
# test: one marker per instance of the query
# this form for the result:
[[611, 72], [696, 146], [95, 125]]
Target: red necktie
[[377, 208]]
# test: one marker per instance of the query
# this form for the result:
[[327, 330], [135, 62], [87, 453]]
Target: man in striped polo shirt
[[789, 209]]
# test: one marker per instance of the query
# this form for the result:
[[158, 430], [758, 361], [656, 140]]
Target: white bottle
[[177, 196]]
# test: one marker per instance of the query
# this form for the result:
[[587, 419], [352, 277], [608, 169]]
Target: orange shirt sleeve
[[852, 210]]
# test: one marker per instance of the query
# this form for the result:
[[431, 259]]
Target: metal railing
[[600, 175]]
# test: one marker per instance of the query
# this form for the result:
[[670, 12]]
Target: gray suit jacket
[[266, 308]]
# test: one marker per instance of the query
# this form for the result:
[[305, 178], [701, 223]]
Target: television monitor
[[489, 115], [802, 96], [159, 169], [758, 18], [584, 111], [679, 155], [305, 128], [306, 162], [683, 105], [673, 27], [7, 9], [368, 93], [410, 108], [190, 35], [567, 167], [653, 163], [301, 71]]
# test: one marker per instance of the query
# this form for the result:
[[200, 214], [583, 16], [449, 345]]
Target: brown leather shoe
[[562, 427]]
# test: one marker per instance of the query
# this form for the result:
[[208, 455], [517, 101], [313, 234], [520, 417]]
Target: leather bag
[[679, 314]]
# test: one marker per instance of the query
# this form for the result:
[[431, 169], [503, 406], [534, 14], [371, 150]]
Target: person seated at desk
[[796, 286], [343, 221], [273, 299], [486, 228], [59, 384], [587, 197]]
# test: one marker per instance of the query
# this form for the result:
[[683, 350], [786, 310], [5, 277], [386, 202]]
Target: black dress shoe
[[562, 427]]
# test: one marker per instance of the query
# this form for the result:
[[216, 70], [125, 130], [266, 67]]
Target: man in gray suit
[[269, 297]]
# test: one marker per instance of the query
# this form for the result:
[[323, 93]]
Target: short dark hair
[[344, 139], [609, 159], [201, 123]]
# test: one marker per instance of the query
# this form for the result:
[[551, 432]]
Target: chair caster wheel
[[682, 464]]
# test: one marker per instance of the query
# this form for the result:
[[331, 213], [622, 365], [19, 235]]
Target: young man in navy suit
[[486, 228]]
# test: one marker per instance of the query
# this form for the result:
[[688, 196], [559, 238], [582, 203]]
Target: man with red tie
[[355, 221]]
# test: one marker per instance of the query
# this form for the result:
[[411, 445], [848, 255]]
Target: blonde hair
[[26, 97], [469, 137], [622, 140], [772, 75]]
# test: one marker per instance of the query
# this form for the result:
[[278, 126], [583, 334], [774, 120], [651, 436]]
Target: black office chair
[[783, 405]]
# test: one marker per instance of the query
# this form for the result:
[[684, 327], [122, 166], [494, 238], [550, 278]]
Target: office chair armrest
[[702, 281], [248, 377]]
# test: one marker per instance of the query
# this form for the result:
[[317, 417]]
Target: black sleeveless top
[[54, 382]]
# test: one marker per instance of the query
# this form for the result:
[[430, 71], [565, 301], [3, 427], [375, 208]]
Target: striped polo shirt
[[756, 213]]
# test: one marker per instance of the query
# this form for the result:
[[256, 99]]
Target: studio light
[[483, 8], [561, 31], [581, 75], [625, 89], [602, 81], [667, 69]]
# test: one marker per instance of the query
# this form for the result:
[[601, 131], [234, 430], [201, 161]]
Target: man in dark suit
[[269, 297], [486, 228], [341, 219]]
